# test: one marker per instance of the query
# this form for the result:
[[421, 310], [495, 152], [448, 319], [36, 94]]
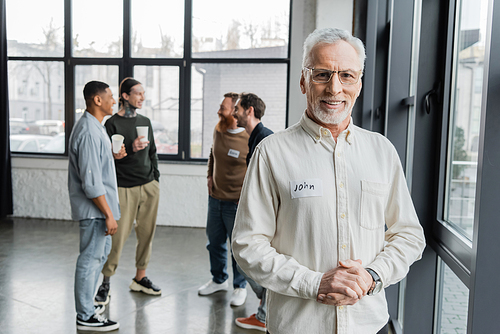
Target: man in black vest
[[248, 113]]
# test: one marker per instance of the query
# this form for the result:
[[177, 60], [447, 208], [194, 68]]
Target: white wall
[[334, 14], [40, 188], [40, 185]]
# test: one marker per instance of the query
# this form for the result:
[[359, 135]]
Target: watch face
[[377, 288]]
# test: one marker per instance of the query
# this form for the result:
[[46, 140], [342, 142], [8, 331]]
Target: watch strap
[[377, 282]]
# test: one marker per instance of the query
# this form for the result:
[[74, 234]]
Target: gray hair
[[332, 36]]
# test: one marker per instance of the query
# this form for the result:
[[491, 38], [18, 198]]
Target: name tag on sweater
[[233, 153], [306, 188]]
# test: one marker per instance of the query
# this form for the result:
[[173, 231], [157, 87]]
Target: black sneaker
[[96, 323], [146, 286], [102, 296]]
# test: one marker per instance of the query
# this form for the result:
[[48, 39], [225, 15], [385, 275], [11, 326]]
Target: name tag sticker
[[233, 153], [306, 188]]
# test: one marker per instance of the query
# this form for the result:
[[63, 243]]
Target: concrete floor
[[37, 265]]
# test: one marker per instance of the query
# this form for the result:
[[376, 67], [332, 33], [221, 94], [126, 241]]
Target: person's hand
[[111, 226], [355, 267], [138, 145], [210, 183], [344, 285], [121, 154]]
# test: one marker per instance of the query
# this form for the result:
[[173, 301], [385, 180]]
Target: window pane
[[221, 30], [45, 35], [97, 28], [161, 84], [454, 303], [211, 81], [36, 104], [466, 113], [86, 73], [157, 28]]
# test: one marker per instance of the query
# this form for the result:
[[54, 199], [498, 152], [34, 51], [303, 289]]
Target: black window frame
[[126, 67], [473, 261]]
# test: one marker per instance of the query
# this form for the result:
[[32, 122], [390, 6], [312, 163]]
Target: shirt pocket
[[373, 203]]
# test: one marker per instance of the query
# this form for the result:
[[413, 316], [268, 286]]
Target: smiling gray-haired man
[[325, 218]]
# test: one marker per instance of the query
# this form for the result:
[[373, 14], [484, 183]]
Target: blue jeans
[[94, 250], [220, 222], [260, 292]]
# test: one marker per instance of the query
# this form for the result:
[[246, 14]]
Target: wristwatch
[[377, 283]]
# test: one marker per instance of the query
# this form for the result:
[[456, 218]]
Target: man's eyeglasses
[[346, 77]]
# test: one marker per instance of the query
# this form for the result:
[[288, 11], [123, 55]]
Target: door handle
[[427, 100], [427, 97]]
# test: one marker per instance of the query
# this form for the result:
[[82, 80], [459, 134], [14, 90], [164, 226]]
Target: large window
[[162, 104], [186, 53], [36, 86], [222, 29], [45, 36], [157, 33], [467, 92], [86, 73], [97, 40], [463, 214], [452, 302]]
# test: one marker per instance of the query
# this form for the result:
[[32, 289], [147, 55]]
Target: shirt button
[[325, 132], [341, 308], [344, 246], [338, 155], [317, 137], [341, 185], [342, 216]]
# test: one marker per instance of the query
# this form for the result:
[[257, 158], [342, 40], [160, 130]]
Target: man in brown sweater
[[226, 171]]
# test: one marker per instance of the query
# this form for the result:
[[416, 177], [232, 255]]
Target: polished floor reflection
[[37, 265]]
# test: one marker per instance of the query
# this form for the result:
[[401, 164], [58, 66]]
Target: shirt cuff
[[94, 191], [309, 286]]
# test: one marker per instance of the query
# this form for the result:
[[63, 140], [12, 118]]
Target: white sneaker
[[239, 296], [99, 309], [211, 287]]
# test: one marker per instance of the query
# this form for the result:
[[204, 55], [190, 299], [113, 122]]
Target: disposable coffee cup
[[117, 142], [142, 131]]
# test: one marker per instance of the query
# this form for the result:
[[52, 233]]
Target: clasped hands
[[345, 284]]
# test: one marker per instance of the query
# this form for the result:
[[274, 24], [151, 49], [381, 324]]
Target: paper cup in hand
[[142, 131], [117, 142]]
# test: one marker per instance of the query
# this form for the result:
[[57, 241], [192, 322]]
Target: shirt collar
[[256, 130], [93, 120], [317, 132]]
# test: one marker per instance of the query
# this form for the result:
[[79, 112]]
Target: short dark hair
[[126, 86], [233, 96], [93, 88], [248, 100]]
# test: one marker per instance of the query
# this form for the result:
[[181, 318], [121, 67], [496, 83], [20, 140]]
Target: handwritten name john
[[303, 186], [306, 188]]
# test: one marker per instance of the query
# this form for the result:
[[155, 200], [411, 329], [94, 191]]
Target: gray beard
[[331, 118]]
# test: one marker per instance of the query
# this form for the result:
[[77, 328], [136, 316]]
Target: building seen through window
[[467, 92], [230, 50]]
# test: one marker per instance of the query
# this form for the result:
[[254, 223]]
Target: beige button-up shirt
[[307, 203]]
